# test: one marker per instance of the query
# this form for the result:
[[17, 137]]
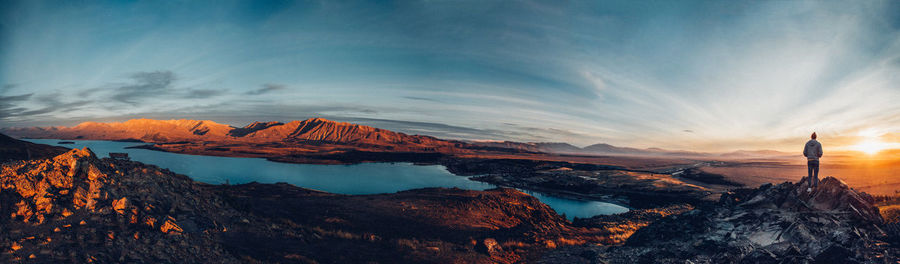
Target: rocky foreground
[[771, 224], [78, 208]]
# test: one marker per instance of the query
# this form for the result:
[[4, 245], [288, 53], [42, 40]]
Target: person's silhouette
[[813, 151]]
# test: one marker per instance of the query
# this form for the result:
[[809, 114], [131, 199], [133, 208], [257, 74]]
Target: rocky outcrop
[[78, 208], [771, 224], [13, 149]]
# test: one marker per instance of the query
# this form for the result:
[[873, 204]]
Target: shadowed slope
[[323, 130], [14, 149], [432, 225], [252, 127]]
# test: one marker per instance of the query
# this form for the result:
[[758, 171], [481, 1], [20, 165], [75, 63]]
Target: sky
[[690, 75]]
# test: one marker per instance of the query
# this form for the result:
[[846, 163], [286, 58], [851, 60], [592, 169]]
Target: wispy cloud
[[267, 88], [203, 93], [422, 99], [144, 85], [9, 105]]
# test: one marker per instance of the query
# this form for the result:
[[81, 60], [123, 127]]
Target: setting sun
[[872, 142], [871, 146]]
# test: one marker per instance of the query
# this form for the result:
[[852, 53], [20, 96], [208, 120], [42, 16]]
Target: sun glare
[[871, 143], [871, 146]]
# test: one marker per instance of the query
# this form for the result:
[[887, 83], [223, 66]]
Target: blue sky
[[705, 75]]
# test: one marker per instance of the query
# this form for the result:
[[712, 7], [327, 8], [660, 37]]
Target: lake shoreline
[[638, 199], [427, 171]]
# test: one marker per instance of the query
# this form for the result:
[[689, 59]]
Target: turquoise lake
[[366, 178]]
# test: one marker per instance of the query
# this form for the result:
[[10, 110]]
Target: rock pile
[[78, 208], [771, 224]]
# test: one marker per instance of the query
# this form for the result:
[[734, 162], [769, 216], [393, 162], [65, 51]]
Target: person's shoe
[[808, 189]]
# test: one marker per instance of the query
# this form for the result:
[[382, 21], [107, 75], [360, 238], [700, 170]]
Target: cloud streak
[[267, 88], [9, 105], [11, 109], [203, 93], [144, 84]]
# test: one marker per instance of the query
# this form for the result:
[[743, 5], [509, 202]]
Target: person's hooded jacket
[[812, 150]]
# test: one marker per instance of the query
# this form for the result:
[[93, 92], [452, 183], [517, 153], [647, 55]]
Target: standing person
[[813, 151]]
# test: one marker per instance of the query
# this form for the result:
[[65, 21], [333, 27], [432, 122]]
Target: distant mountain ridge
[[320, 129], [147, 130], [326, 131], [168, 131], [602, 149]]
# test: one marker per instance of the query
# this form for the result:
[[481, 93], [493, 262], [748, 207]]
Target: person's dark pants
[[813, 173]]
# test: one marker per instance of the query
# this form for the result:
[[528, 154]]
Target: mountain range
[[610, 150], [313, 130], [323, 131]]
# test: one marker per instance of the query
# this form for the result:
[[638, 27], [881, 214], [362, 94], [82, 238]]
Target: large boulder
[[831, 196], [781, 223]]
